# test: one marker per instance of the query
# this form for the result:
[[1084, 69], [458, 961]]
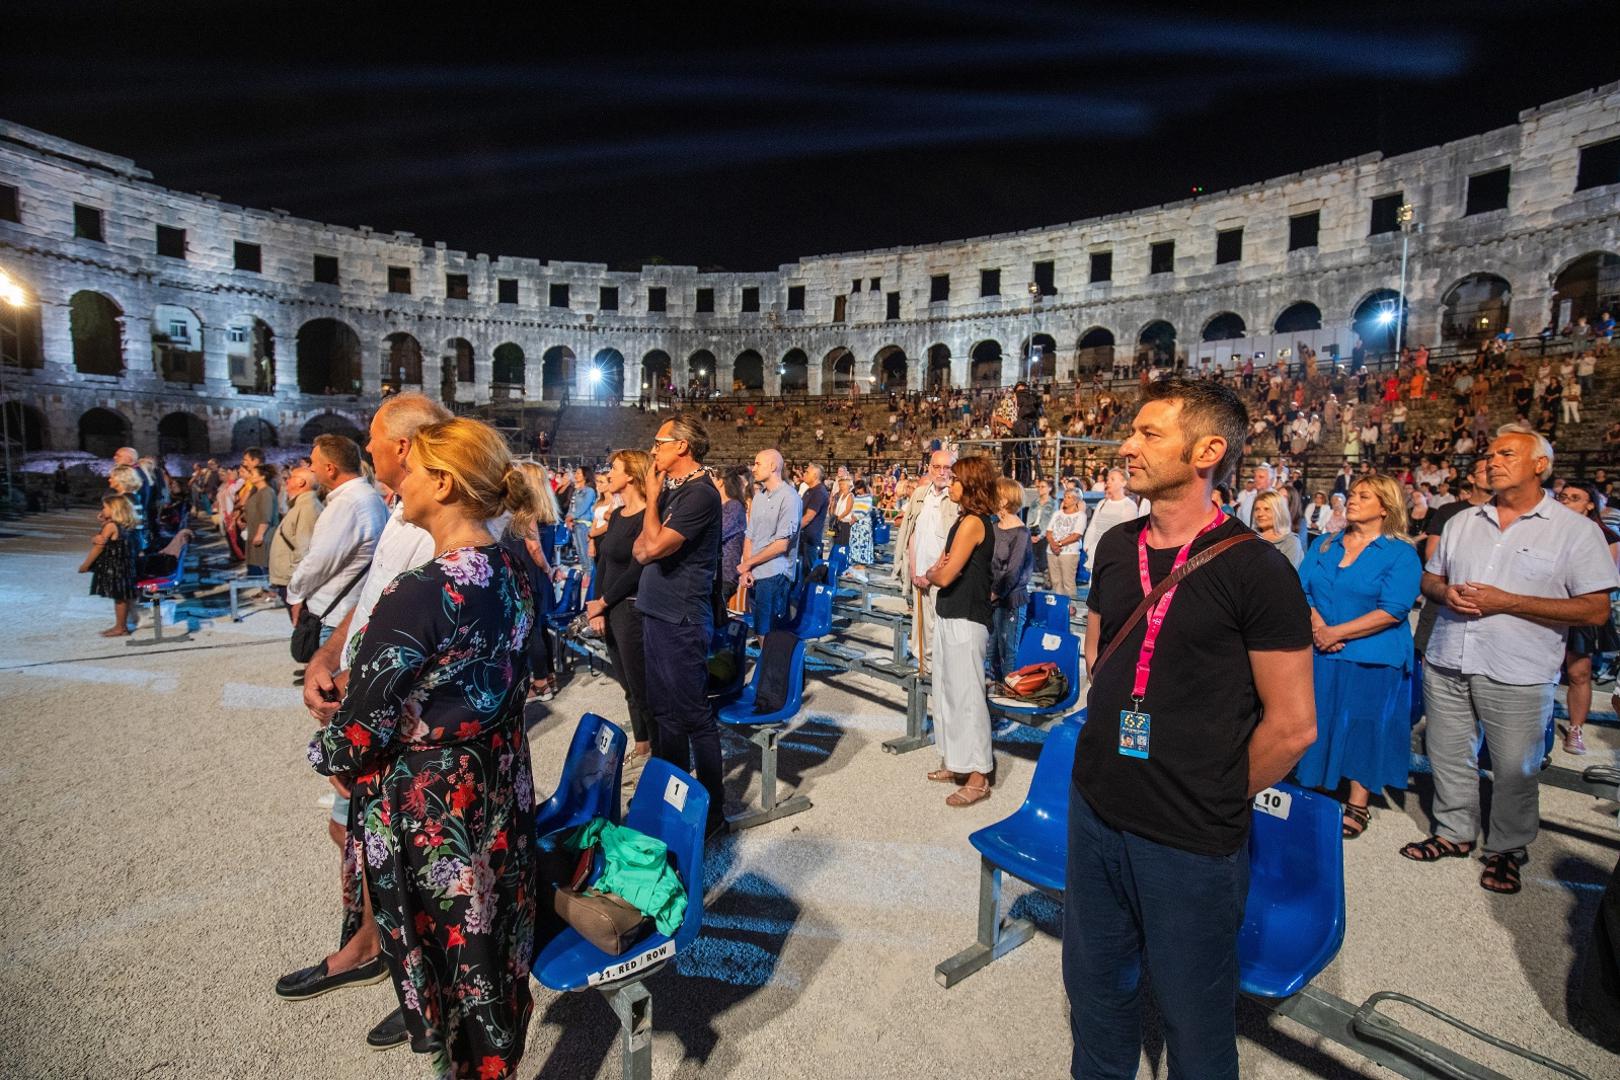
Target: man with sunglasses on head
[[679, 551]]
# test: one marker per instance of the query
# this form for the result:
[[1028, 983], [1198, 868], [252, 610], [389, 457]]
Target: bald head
[[299, 481], [125, 455], [768, 467]]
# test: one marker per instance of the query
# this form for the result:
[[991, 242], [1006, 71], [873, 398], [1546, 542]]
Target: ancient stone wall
[[245, 314]]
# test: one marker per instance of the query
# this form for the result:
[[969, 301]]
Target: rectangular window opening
[[1600, 165], [939, 288], [840, 308], [855, 286], [892, 308], [750, 298], [1162, 257], [559, 295], [87, 223], [506, 290], [1487, 191], [455, 286], [705, 301], [1045, 274], [1303, 230], [1102, 266], [1228, 246], [249, 257], [989, 282], [657, 298], [171, 242], [8, 203], [399, 279], [609, 298], [326, 270], [1386, 214], [875, 284], [795, 297]]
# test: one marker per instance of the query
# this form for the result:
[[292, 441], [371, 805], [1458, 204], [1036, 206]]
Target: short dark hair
[[1207, 408], [340, 450], [689, 428], [254, 452]]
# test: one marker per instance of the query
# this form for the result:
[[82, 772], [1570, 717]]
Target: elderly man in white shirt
[[935, 515], [345, 535], [1510, 577]]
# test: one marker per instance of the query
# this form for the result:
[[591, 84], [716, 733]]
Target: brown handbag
[[607, 921], [1170, 581]]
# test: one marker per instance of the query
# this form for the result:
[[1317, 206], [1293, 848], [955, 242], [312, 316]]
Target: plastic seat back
[[591, 774], [741, 711], [815, 619], [837, 562], [1293, 923], [880, 528], [670, 806], [1041, 645], [170, 579], [1048, 609], [1033, 844], [730, 636], [569, 606]]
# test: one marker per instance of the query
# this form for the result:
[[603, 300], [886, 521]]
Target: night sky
[[745, 136]]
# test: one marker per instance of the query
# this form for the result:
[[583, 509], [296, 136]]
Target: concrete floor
[[166, 860]]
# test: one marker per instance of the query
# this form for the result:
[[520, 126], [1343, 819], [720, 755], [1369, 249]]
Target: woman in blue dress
[[1361, 584]]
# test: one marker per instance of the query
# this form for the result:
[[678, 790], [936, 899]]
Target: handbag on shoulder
[[306, 635]]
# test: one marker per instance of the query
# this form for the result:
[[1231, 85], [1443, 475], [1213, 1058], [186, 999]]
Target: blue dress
[[1363, 691]]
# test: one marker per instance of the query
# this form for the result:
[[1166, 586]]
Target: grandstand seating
[[589, 785], [164, 571], [1293, 923], [1042, 644], [765, 731]]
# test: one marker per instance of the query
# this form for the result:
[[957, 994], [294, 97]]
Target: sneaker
[[1574, 743]]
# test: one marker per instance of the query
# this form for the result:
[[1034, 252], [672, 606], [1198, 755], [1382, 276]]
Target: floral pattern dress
[[430, 737]]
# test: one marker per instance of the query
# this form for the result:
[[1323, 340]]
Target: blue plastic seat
[[837, 563], [153, 585], [589, 785], [880, 529], [569, 607], [1041, 645], [765, 731], [1293, 924], [1031, 845], [670, 806], [1048, 609], [730, 636], [815, 615]]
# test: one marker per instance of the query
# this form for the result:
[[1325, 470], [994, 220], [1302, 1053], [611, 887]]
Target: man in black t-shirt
[[813, 522], [1178, 740], [679, 551]]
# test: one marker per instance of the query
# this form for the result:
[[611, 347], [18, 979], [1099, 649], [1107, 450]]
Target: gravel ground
[[167, 861]]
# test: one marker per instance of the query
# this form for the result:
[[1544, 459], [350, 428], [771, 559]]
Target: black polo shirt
[[815, 501], [679, 587], [1191, 792]]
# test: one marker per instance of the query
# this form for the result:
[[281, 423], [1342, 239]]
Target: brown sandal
[[945, 776], [1501, 873], [1355, 820], [968, 794]]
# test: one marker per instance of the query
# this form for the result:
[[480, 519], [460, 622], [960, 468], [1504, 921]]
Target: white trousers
[[922, 627], [961, 715]]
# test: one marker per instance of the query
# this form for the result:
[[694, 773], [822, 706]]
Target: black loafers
[[314, 981], [390, 1033]]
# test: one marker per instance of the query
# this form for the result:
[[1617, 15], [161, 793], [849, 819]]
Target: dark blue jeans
[[686, 733], [771, 602], [1128, 900]]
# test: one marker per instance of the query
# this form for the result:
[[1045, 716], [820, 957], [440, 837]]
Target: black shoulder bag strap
[[367, 569], [1170, 581]]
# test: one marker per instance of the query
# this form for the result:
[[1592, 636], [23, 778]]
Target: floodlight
[[594, 375], [1385, 317]]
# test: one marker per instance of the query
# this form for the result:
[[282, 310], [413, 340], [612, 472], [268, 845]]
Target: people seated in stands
[[1171, 756], [679, 553], [767, 559], [1010, 572], [1586, 643], [1492, 661], [1361, 584], [429, 743], [1272, 522], [962, 617], [111, 561], [1063, 543], [613, 611]]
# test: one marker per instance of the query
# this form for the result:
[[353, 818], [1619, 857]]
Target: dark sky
[[744, 136]]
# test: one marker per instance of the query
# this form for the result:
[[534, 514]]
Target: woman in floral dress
[[430, 739]]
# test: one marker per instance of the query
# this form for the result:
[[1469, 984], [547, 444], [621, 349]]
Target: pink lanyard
[[1155, 618]]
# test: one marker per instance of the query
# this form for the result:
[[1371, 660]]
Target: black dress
[[619, 574], [113, 573]]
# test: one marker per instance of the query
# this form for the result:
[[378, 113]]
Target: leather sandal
[[1355, 820], [968, 794], [1501, 873], [945, 776], [1434, 848]]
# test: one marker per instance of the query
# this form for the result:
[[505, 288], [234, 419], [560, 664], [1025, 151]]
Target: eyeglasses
[[659, 440], [1571, 496]]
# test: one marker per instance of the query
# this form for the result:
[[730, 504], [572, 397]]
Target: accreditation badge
[[1135, 731]]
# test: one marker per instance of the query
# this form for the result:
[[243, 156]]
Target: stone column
[[216, 361], [483, 374]]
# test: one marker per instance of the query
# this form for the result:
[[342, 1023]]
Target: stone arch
[[938, 374], [556, 373], [1095, 351], [1297, 318], [1156, 344], [700, 369], [182, 433], [657, 373], [794, 371], [1039, 355], [1374, 321], [328, 358], [507, 369], [253, 431], [250, 355], [101, 431], [177, 344], [1475, 307], [890, 367], [748, 372], [1225, 326], [97, 326], [984, 364], [607, 375], [1590, 285], [21, 335], [402, 366], [328, 423], [838, 368], [26, 426]]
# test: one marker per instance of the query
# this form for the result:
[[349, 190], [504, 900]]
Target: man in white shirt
[[1511, 576], [935, 515], [1245, 501], [345, 535]]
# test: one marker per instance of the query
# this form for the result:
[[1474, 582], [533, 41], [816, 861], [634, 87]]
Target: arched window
[[102, 431], [607, 375], [748, 372], [97, 326], [795, 372], [403, 366], [557, 373], [1474, 308], [1298, 318], [1156, 344], [1225, 327], [939, 366], [1095, 351], [986, 364], [182, 433], [890, 368], [328, 358]]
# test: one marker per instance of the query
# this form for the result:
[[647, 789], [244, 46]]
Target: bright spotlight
[[594, 375], [1385, 317], [11, 293]]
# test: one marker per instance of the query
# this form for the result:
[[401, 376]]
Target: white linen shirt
[[1550, 551], [930, 531], [339, 550]]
